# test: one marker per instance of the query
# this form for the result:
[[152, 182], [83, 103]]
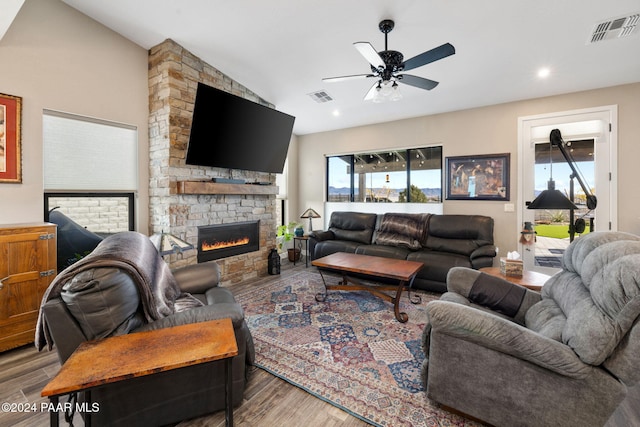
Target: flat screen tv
[[235, 133]]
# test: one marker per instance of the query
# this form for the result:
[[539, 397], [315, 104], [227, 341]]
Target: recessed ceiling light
[[336, 113], [544, 72]]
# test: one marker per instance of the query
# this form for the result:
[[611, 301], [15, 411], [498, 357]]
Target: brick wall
[[98, 214], [174, 74]]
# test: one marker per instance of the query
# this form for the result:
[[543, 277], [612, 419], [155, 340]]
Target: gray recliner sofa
[[510, 356], [440, 242], [100, 296]]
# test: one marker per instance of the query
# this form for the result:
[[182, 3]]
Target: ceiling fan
[[388, 66]]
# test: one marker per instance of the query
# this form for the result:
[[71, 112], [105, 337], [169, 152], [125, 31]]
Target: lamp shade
[[310, 213], [551, 199], [167, 244]]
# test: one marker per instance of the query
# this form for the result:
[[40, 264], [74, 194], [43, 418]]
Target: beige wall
[[486, 130], [57, 58]]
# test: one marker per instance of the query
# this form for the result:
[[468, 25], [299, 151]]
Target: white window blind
[[83, 153], [570, 131]]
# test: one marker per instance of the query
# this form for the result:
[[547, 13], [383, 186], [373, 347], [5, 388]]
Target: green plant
[[285, 233], [558, 216]]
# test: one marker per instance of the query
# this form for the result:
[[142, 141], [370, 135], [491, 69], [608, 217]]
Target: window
[[90, 170], [102, 213], [340, 179], [396, 176]]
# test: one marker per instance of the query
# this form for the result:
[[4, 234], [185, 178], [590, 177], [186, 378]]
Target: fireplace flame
[[206, 246]]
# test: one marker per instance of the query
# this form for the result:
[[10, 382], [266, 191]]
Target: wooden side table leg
[[228, 392]]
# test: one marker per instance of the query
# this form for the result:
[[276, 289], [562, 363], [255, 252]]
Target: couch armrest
[[319, 236], [197, 278], [65, 331], [499, 334], [460, 281], [483, 251], [199, 314]]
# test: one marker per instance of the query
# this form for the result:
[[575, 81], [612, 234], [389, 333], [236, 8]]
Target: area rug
[[349, 350]]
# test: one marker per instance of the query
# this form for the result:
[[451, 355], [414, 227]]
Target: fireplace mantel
[[208, 187]]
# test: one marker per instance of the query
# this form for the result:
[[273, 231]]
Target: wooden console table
[[106, 361]]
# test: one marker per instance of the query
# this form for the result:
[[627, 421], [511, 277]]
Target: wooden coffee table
[[529, 279], [109, 360], [396, 269]]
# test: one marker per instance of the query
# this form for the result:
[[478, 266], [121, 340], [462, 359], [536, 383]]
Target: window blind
[[83, 153]]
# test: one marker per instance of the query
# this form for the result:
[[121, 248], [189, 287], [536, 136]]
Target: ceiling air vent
[[615, 28], [320, 96]]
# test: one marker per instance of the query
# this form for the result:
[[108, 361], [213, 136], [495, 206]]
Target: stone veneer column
[[174, 74]]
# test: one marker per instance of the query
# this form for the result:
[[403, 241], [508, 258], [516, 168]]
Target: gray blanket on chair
[[134, 253]]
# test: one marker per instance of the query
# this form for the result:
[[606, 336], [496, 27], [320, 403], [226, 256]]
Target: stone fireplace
[[177, 208], [225, 240]]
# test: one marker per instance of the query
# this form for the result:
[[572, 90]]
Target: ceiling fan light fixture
[[387, 90], [396, 95]]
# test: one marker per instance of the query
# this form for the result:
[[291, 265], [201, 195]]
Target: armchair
[[510, 356], [124, 286]]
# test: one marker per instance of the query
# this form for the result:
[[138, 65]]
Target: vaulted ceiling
[[281, 49]]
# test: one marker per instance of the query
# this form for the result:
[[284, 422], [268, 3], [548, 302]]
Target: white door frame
[[606, 165]]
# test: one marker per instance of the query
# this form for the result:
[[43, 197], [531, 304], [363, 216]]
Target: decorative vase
[[299, 231], [294, 254]]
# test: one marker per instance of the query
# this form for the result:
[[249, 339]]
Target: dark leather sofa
[[439, 241]]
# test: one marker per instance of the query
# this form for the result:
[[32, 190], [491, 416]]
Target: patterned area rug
[[349, 350]]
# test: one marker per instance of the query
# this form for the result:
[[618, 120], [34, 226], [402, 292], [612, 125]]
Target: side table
[[299, 240], [529, 279], [102, 362]]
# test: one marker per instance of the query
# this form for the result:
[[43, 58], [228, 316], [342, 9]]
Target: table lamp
[[310, 213], [168, 244]]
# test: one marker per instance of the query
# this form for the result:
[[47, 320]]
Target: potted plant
[[284, 234]]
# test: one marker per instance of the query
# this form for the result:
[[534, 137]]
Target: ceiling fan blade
[[419, 82], [372, 92], [429, 56], [343, 78], [370, 54]]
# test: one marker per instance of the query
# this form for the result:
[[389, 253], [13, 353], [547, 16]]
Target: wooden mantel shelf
[[208, 187]]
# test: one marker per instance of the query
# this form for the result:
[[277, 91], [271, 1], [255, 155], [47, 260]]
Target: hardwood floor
[[269, 401]]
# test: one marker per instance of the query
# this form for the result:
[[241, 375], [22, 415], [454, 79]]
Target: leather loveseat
[[100, 296], [440, 242]]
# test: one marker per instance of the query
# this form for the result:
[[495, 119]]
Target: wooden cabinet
[[27, 267]]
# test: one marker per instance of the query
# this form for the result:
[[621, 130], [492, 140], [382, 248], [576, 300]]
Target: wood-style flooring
[[269, 401]]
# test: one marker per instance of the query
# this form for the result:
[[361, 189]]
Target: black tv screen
[[235, 133]]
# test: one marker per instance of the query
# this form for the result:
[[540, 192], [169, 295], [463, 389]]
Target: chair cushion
[[459, 234], [104, 302], [353, 226]]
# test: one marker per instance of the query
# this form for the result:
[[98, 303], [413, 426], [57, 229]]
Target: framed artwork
[[10, 147], [482, 177]]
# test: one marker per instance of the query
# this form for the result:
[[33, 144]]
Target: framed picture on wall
[[10, 148], [482, 177]]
